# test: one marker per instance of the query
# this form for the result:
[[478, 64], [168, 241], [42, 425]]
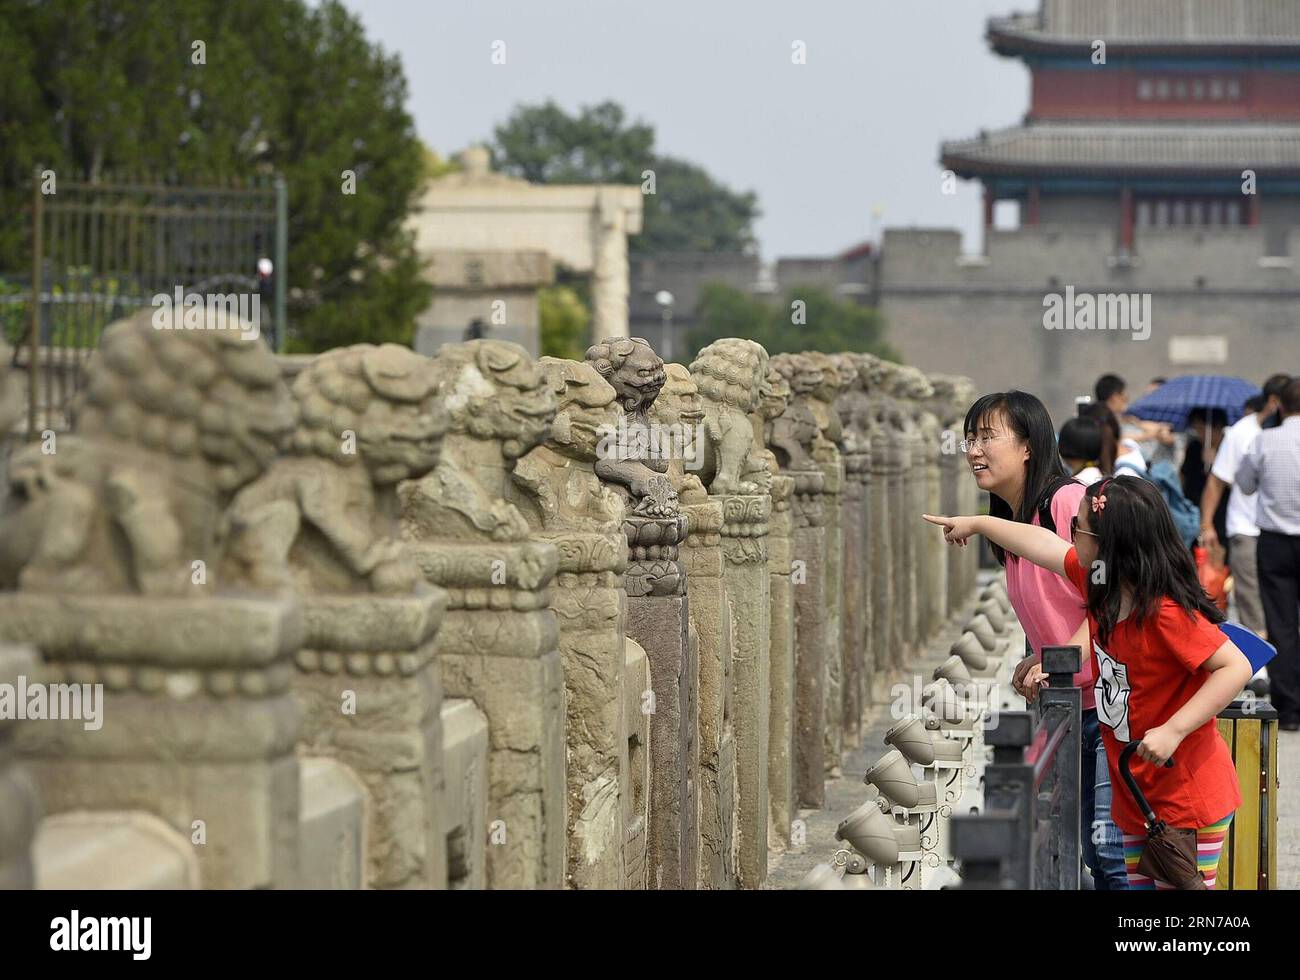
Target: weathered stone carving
[[930, 554], [666, 403], [660, 620], [568, 505], [881, 506], [325, 518], [734, 620], [827, 453], [905, 384], [731, 375], [498, 643], [114, 540], [794, 435], [499, 407], [952, 397], [324, 522], [171, 423], [897, 456], [854, 408], [637, 375], [772, 405]]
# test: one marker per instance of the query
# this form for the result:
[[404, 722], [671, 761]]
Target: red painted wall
[[1113, 93]]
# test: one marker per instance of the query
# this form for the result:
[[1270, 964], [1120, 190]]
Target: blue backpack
[[1186, 515]]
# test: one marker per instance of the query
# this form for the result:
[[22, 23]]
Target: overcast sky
[[824, 144]]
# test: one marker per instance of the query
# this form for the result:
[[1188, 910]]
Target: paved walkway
[[1288, 810], [845, 793]]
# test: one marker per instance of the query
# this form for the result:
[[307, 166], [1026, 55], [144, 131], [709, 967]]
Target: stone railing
[[478, 620]]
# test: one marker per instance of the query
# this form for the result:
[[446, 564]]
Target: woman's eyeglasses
[[1075, 530], [966, 445]]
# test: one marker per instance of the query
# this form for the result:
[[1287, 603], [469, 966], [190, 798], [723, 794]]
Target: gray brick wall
[[983, 317]]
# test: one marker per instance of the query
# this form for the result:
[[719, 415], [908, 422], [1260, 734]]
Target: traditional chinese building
[[1148, 115], [1159, 156]]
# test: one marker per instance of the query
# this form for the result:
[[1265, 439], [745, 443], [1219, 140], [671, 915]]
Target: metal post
[[34, 335], [1009, 787], [982, 843], [1063, 702], [281, 271]]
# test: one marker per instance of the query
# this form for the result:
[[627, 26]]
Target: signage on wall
[[1198, 350]]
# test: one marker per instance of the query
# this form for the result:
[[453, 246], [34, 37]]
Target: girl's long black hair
[[1029, 419], [1139, 548]]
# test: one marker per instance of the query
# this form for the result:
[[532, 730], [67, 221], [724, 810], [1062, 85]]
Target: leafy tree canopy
[[277, 86], [810, 318], [564, 319], [689, 209]]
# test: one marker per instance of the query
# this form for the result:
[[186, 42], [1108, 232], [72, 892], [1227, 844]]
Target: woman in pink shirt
[[1012, 452]]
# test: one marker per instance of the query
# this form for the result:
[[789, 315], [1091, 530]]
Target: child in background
[[1080, 446], [1164, 670]]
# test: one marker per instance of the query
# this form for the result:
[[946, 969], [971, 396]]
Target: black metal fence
[[1028, 836], [103, 249]]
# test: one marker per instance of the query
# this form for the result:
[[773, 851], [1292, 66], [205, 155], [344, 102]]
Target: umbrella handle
[[1138, 797]]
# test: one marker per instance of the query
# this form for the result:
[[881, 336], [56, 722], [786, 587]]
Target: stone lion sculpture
[[772, 404], [731, 374], [637, 375], [680, 409], [324, 519], [952, 396], [559, 475], [795, 434], [499, 406], [822, 401], [853, 404], [170, 424]]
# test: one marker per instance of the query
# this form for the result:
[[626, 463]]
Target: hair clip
[[1099, 503]]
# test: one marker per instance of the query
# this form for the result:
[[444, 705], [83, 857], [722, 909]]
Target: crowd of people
[[1108, 532]]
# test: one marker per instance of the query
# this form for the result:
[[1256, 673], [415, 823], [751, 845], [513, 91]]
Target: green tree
[[810, 318], [276, 86], [564, 319], [689, 209]]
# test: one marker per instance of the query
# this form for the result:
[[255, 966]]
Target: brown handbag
[[1170, 854]]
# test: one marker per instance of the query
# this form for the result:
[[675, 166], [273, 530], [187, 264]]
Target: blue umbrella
[[1174, 400]]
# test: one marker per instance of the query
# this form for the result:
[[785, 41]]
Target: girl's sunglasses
[[1075, 530]]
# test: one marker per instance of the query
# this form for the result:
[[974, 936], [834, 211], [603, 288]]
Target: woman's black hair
[[1139, 548], [1081, 439], [1029, 419]]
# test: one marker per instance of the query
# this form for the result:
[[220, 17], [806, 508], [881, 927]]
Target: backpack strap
[[1045, 517]]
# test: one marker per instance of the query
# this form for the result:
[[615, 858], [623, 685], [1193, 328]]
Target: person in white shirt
[[1243, 532], [1130, 459]]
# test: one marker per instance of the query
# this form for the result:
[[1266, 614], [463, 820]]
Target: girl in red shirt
[[1164, 670]]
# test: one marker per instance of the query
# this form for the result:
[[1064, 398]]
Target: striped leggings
[[1209, 844]]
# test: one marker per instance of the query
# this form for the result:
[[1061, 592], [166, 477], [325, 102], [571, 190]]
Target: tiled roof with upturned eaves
[[1128, 148], [1152, 24]]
